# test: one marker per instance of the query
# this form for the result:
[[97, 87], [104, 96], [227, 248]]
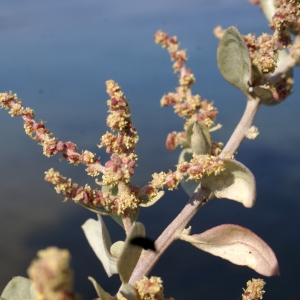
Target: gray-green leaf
[[198, 137], [130, 253], [235, 183], [234, 61], [99, 290], [19, 288], [99, 239]]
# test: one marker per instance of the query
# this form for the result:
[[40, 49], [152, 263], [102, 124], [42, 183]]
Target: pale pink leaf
[[238, 245]]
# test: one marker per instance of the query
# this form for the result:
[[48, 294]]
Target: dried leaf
[[238, 245]]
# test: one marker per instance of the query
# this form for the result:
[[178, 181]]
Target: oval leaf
[[99, 239], [100, 292], [234, 61], [238, 245], [116, 248], [198, 137], [130, 253], [19, 288], [235, 183]]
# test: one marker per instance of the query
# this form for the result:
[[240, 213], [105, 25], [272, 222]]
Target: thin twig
[[245, 123]]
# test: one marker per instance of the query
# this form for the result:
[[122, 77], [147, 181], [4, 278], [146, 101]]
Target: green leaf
[[19, 288], [234, 61], [100, 292], [237, 244], [99, 239], [198, 137], [130, 254], [235, 183]]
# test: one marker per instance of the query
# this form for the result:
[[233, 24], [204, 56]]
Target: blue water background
[[57, 56]]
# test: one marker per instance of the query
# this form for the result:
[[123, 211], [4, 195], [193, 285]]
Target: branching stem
[[149, 259], [245, 123], [170, 234]]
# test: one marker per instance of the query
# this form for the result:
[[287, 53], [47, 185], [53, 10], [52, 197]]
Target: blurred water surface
[[57, 56]]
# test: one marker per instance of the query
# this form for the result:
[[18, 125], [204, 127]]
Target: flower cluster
[[186, 105], [51, 275], [197, 168], [121, 165], [254, 290], [127, 197], [264, 55], [71, 190], [117, 171], [150, 289], [286, 15], [51, 145], [286, 18], [117, 195], [264, 49]]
